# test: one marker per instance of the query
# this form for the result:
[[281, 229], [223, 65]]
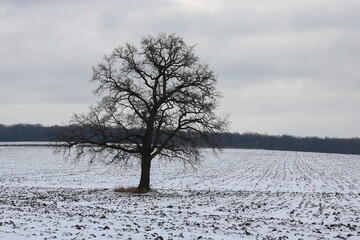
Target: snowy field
[[239, 194]]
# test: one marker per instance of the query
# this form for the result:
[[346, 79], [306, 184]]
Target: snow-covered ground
[[239, 194]]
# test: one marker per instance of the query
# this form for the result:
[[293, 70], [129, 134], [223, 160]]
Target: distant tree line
[[30, 133], [291, 143], [25, 133]]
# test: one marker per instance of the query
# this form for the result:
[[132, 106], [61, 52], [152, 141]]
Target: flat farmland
[[237, 194]]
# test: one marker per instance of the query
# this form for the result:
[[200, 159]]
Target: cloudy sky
[[284, 67]]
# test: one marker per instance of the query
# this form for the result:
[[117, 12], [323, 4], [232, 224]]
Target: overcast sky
[[284, 67]]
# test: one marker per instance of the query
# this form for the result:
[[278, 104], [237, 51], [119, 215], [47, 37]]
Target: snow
[[238, 194]]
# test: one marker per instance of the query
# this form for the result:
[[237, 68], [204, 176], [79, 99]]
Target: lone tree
[[156, 100]]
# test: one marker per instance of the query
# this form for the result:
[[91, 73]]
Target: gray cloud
[[283, 66]]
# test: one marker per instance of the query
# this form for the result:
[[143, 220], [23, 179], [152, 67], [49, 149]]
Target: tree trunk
[[144, 185]]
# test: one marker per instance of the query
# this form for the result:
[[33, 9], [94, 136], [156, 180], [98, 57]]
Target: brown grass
[[131, 190]]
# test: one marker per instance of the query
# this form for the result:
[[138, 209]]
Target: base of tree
[[132, 190]]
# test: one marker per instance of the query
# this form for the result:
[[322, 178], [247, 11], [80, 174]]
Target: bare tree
[[156, 100]]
